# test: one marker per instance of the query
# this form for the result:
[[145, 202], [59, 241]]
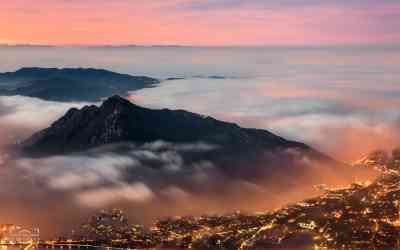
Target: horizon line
[[199, 46]]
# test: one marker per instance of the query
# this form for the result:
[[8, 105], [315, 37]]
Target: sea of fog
[[343, 101]]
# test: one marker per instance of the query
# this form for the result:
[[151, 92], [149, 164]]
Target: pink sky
[[195, 22]]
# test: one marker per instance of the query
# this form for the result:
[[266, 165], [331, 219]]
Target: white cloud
[[101, 197], [32, 112], [76, 172], [98, 177], [71, 180], [174, 192]]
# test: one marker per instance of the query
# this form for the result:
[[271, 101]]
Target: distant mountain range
[[117, 120], [70, 84]]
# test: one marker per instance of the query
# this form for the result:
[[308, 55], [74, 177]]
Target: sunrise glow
[[194, 22]]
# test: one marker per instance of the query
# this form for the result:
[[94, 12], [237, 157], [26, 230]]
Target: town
[[362, 216], [16, 235]]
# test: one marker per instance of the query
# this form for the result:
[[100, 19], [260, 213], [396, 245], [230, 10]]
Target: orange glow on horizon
[[164, 22]]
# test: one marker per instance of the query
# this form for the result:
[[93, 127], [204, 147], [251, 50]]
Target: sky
[[199, 22]]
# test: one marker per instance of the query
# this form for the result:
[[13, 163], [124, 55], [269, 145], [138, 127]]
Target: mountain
[[70, 84], [117, 120]]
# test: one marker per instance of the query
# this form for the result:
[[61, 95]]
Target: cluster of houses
[[12, 234]]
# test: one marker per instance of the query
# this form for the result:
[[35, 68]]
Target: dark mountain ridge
[[117, 120], [70, 84]]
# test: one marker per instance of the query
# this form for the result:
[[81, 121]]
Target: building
[[11, 234]]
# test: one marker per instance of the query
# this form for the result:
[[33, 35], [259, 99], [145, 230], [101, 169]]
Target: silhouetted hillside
[[118, 121], [70, 84]]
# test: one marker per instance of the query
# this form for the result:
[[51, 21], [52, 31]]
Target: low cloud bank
[[132, 175], [150, 181], [21, 116], [154, 180], [103, 197], [345, 118]]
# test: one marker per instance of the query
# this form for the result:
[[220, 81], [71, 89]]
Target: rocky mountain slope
[[120, 121]]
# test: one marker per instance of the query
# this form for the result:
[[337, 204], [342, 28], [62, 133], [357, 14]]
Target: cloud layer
[[345, 118], [150, 181]]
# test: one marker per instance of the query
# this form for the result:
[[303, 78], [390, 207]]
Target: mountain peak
[[117, 103], [118, 120], [116, 99]]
